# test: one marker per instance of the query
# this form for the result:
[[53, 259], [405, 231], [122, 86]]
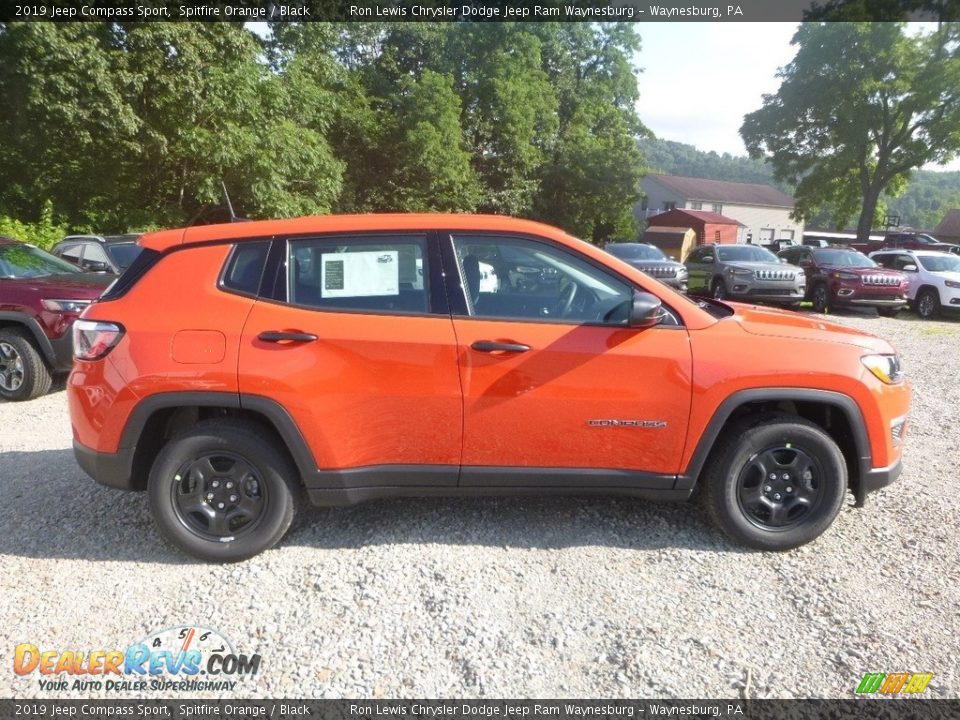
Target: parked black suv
[[651, 260], [99, 253]]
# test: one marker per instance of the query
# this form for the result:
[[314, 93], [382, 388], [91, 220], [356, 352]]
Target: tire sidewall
[[934, 302], [718, 289], [724, 495], [269, 464], [820, 307]]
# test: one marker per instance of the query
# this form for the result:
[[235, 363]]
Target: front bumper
[[774, 293], [111, 469], [872, 479]]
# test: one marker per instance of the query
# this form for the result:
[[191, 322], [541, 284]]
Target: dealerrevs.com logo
[[894, 683], [183, 658]]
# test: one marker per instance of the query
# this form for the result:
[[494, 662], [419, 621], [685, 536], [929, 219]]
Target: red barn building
[[710, 227]]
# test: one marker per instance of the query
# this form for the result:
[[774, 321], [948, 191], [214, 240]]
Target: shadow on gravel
[[51, 509]]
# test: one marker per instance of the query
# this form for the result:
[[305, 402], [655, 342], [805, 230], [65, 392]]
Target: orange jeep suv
[[233, 368]]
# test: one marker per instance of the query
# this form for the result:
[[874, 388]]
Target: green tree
[[432, 170], [860, 106]]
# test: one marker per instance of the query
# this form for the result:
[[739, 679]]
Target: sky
[[728, 65]]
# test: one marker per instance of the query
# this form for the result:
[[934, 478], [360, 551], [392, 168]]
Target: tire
[[756, 511], [889, 312], [23, 373], [820, 298], [927, 303], [200, 464], [718, 289]]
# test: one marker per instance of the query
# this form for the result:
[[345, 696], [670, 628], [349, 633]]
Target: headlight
[[845, 276], [885, 367], [65, 306], [737, 272], [952, 284]]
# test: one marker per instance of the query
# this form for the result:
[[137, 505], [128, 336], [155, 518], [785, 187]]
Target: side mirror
[[646, 310], [707, 259], [94, 266], [910, 268]]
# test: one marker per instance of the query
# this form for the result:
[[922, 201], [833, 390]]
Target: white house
[[763, 210]]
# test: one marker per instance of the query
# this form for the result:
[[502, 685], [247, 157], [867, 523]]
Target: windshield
[[632, 251], [927, 240], [946, 263], [123, 253], [843, 258], [26, 261], [745, 253]]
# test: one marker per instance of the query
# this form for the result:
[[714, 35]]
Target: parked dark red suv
[[40, 297], [838, 276]]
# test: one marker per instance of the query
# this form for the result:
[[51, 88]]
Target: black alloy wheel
[[223, 490], [218, 495], [780, 486]]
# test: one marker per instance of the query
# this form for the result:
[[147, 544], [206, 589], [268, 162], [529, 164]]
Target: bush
[[44, 234]]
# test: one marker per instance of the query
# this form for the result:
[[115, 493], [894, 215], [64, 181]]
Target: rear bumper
[[873, 479], [111, 469]]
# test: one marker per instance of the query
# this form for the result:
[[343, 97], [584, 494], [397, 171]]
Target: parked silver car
[[744, 272], [651, 260]]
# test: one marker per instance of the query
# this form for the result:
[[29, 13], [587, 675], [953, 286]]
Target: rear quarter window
[[244, 267]]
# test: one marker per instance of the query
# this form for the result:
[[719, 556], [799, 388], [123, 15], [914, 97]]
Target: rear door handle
[[491, 346], [275, 336]]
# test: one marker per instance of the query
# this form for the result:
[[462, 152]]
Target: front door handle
[[275, 336], [491, 346]]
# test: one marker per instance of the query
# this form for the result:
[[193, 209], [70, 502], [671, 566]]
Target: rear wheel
[[776, 482], [820, 298], [928, 303], [23, 374], [220, 492]]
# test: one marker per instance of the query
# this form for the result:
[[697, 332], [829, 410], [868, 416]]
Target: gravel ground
[[493, 597]]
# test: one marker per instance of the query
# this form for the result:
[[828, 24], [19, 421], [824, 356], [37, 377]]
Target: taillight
[[92, 339]]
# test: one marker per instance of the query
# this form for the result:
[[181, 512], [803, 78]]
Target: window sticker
[[360, 274]]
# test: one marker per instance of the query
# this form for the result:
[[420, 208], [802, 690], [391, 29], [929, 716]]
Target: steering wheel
[[565, 301]]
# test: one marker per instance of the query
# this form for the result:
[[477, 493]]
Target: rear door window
[[375, 274]]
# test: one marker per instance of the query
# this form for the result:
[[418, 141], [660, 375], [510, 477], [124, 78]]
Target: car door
[[358, 347], [558, 390]]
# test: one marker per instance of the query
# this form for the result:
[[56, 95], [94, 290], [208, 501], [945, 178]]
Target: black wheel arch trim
[[31, 323], [721, 415], [272, 410]]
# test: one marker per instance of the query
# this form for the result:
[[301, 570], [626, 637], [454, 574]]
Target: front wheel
[[23, 374], [928, 304], [718, 289], [220, 492], [820, 298], [776, 482]]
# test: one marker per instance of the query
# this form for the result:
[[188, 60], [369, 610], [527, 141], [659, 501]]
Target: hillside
[[928, 196]]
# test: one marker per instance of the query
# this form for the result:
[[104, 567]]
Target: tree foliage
[[859, 108], [126, 125]]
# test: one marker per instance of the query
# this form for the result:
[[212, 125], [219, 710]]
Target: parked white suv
[[934, 278]]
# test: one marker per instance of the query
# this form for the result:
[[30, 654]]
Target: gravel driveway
[[504, 597]]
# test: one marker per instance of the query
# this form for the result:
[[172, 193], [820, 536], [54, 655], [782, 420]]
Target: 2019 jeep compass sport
[[233, 366]]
